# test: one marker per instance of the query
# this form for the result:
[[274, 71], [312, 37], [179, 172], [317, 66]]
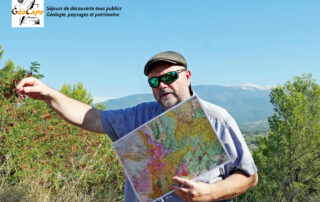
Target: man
[[171, 84]]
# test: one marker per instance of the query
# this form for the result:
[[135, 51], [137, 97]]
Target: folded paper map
[[178, 142]]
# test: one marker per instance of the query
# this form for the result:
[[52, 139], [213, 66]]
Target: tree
[[10, 75], [78, 92], [34, 70], [288, 159], [100, 106]]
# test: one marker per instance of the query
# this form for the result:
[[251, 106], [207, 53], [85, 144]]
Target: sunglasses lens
[[169, 77], [153, 82]]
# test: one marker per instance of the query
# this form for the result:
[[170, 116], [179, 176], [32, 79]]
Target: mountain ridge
[[248, 104]]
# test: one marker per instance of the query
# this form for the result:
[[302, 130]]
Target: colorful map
[[180, 142]]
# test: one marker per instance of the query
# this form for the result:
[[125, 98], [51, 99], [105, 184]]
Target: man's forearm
[[233, 185], [230, 187], [74, 111]]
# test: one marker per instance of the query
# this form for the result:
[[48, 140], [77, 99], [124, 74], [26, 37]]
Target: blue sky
[[225, 42]]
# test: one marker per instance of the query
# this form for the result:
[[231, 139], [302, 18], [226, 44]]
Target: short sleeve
[[118, 123], [231, 137], [238, 149]]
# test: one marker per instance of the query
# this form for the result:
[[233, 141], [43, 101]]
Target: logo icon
[[27, 13]]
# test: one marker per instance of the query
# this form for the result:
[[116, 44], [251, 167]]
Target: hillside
[[248, 104]]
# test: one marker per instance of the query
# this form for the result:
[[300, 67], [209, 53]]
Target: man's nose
[[162, 84]]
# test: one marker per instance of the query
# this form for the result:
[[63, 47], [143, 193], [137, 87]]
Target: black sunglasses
[[167, 78]]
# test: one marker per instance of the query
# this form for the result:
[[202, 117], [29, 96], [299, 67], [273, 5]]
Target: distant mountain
[[128, 101], [248, 104]]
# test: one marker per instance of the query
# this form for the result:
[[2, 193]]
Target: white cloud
[[249, 86], [98, 99]]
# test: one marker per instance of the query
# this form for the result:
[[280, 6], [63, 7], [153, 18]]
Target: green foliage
[[288, 159], [44, 158], [78, 92], [9, 78], [100, 106], [1, 52], [34, 70]]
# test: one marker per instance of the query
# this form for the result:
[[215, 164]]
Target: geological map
[[179, 142]]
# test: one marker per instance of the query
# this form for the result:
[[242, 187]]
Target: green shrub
[[44, 158]]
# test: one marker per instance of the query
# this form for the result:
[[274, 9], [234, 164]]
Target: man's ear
[[188, 75]]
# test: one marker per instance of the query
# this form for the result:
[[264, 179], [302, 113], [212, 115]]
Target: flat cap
[[167, 56]]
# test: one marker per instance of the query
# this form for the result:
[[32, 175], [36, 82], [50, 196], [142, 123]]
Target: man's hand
[[33, 88], [191, 190], [232, 186]]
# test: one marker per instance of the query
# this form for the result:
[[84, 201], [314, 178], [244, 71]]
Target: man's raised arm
[[73, 111]]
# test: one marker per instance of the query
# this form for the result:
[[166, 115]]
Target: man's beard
[[168, 99]]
